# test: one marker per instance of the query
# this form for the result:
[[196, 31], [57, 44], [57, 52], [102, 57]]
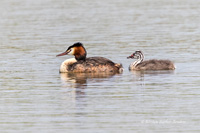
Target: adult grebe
[[81, 64], [153, 64]]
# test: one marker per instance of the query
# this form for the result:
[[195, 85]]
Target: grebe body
[[153, 64], [81, 64]]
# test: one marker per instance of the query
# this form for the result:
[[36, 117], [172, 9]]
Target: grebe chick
[[81, 64], [153, 64]]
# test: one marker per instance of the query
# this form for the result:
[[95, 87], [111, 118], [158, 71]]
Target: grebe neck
[[140, 58], [80, 53], [79, 57]]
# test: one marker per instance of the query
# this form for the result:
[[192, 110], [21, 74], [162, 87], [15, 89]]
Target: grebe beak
[[64, 53], [132, 56]]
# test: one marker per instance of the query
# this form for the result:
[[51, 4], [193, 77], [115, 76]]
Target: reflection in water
[[79, 81], [151, 73], [146, 76]]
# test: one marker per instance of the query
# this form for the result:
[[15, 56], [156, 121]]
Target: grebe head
[[131, 56], [136, 55], [77, 50]]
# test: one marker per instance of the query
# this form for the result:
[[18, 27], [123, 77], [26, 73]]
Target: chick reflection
[[140, 75], [152, 73]]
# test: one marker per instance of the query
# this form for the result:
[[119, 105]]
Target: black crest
[[78, 44]]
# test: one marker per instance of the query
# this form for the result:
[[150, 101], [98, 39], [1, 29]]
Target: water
[[35, 97]]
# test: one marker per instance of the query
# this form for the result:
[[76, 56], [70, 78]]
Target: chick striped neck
[[140, 58]]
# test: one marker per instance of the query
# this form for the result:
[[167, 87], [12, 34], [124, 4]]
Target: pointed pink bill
[[64, 53], [131, 56]]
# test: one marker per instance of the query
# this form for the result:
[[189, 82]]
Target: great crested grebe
[[153, 64], [81, 64]]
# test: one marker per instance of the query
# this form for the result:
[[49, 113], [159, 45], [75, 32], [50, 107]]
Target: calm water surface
[[35, 97]]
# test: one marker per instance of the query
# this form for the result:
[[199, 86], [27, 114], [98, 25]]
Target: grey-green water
[[34, 97]]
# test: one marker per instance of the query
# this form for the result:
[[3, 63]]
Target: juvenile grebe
[[153, 64], [81, 64]]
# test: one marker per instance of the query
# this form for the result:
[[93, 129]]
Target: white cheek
[[71, 52]]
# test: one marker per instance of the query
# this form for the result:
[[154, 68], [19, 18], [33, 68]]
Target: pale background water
[[34, 97]]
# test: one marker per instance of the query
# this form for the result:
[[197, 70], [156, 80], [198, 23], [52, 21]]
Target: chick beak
[[130, 56]]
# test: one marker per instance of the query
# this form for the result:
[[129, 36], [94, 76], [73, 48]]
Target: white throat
[[135, 63], [66, 63]]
